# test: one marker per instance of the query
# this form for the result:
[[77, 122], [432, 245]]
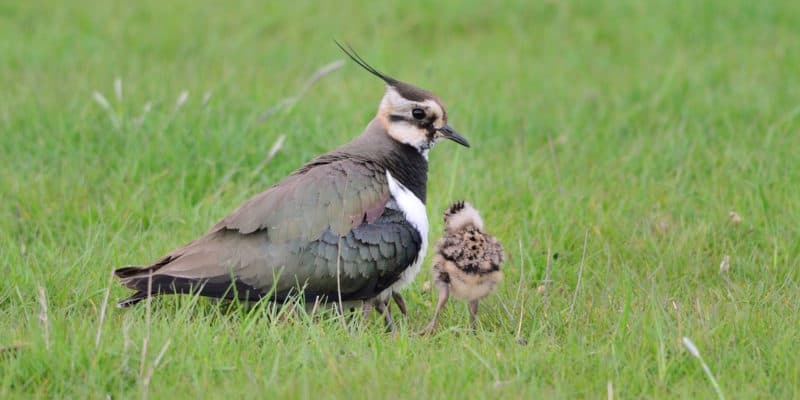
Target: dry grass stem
[[152, 369], [696, 353], [43, 318], [273, 151], [118, 88], [580, 274], [725, 265], [103, 309], [288, 102], [182, 98]]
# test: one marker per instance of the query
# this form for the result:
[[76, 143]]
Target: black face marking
[[426, 124]]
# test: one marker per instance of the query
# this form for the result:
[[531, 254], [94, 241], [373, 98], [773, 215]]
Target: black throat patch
[[409, 167]]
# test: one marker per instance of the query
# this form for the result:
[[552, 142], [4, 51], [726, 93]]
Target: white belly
[[414, 210]]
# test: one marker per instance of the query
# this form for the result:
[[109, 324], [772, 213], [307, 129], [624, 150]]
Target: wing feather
[[339, 195]]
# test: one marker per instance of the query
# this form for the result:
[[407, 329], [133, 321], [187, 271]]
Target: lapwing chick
[[348, 226], [466, 263]]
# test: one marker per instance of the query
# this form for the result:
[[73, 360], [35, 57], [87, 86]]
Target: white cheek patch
[[403, 131], [409, 134]]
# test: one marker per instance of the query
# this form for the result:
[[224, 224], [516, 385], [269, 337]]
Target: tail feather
[[129, 271], [147, 284], [130, 301], [139, 271]]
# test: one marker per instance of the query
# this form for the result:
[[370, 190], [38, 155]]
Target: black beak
[[451, 134]]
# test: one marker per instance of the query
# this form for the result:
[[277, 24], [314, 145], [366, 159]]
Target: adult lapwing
[[350, 225], [467, 261]]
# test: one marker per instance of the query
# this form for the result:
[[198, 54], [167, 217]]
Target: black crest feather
[[360, 61], [455, 208]]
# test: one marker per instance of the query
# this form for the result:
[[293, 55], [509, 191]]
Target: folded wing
[[324, 228]]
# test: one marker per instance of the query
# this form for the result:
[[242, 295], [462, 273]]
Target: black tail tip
[[125, 272], [133, 300]]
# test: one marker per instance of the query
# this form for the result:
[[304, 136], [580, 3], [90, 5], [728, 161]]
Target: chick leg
[[473, 314], [401, 304], [444, 293]]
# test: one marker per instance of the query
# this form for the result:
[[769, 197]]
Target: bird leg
[[366, 308], [473, 314], [444, 293], [383, 308], [401, 304]]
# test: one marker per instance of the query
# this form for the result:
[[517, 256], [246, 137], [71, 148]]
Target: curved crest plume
[[360, 61]]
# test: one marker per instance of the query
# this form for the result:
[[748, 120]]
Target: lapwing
[[467, 261], [348, 226]]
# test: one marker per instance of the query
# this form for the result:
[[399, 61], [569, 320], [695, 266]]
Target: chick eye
[[418, 113]]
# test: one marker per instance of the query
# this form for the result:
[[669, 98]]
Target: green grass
[[636, 125]]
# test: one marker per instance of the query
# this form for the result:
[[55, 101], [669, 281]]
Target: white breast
[[414, 210]]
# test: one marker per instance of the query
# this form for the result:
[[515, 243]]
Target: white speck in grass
[[104, 104], [288, 102], [103, 311], [126, 344], [690, 346], [276, 147], [181, 99], [138, 121], [43, 317], [725, 265], [426, 286], [736, 219], [148, 378], [696, 353], [206, 98], [118, 88], [101, 100]]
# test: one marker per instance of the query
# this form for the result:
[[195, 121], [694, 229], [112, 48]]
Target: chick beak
[[451, 134]]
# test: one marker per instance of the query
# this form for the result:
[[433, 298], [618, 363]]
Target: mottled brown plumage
[[467, 261]]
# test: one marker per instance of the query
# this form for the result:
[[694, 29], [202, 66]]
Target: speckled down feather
[[471, 250]]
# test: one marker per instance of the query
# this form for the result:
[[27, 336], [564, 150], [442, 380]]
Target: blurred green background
[[611, 141]]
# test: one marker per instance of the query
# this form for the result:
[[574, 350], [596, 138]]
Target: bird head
[[460, 215], [410, 115]]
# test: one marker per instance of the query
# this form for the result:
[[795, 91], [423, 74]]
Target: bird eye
[[418, 113]]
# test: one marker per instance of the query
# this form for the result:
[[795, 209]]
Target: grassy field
[[611, 142]]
